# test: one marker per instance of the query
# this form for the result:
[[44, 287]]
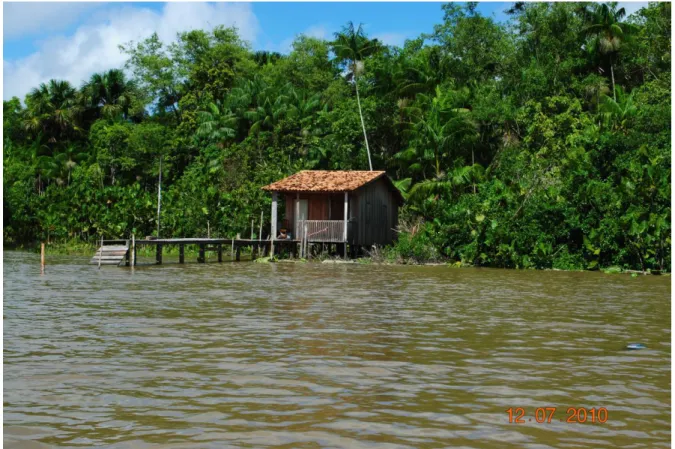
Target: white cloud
[[94, 47], [396, 39], [27, 18]]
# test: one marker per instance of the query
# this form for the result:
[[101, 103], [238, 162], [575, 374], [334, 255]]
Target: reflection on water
[[316, 355]]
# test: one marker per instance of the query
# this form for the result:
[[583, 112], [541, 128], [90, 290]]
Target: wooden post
[[252, 220], [220, 252], [305, 240], [274, 223], [297, 231], [202, 253], [158, 254], [232, 251], [238, 253], [100, 254], [133, 250], [42, 258], [261, 220], [208, 229], [126, 256], [344, 237], [181, 253]]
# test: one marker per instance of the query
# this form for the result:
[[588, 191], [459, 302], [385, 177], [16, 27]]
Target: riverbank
[[381, 256]]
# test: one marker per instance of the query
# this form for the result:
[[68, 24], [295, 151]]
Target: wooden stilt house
[[359, 208]]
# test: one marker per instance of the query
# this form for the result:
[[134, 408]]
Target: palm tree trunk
[[611, 68], [363, 125], [159, 194]]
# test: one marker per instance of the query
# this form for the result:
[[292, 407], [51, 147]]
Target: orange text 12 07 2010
[[548, 415]]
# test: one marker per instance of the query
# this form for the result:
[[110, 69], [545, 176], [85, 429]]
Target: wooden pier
[[115, 252]]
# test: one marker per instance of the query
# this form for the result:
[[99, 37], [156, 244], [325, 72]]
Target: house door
[[302, 213]]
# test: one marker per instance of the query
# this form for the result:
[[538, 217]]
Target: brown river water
[[342, 356]]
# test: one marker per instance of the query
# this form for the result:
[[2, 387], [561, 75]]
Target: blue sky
[[73, 40]]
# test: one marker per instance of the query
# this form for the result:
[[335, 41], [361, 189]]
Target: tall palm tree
[[69, 158], [607, 32], [51, 110], [352, 46], [267, 107], [110, 93], [438, 131], [415, 76], [216, 123], [303, 111]]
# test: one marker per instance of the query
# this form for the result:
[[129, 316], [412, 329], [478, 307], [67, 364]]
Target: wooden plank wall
[[376, 212]]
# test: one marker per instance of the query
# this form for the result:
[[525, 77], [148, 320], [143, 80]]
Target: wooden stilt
[[260, 231], [345, 218], [100, 256], [274, 223], [238, 255], [42, 258], [158, 255], [181, 253], [127, 256], [133, 250], [202, 254], [220, 252]]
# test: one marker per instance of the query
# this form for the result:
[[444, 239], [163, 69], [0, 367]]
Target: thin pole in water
[[100, 254], [42, 258]]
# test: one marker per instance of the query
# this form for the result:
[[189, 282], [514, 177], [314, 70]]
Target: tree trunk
[[611, 68], [363, 125], [159, 194]]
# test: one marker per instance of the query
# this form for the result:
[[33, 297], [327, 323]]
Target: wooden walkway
[[114, 252]]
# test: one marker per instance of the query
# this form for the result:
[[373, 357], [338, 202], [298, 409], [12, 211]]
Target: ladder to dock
[[111, 254]]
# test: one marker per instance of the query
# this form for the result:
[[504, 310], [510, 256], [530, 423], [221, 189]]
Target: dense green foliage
[[542, 142]]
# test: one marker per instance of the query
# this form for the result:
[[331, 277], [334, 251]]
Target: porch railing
[[320, 230]]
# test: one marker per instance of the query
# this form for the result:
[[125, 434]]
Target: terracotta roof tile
[[325, 181]]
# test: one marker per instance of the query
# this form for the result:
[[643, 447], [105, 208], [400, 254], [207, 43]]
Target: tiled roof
[[325, 181]]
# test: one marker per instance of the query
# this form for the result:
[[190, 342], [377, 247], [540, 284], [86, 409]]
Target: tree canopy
[[540, 142]]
